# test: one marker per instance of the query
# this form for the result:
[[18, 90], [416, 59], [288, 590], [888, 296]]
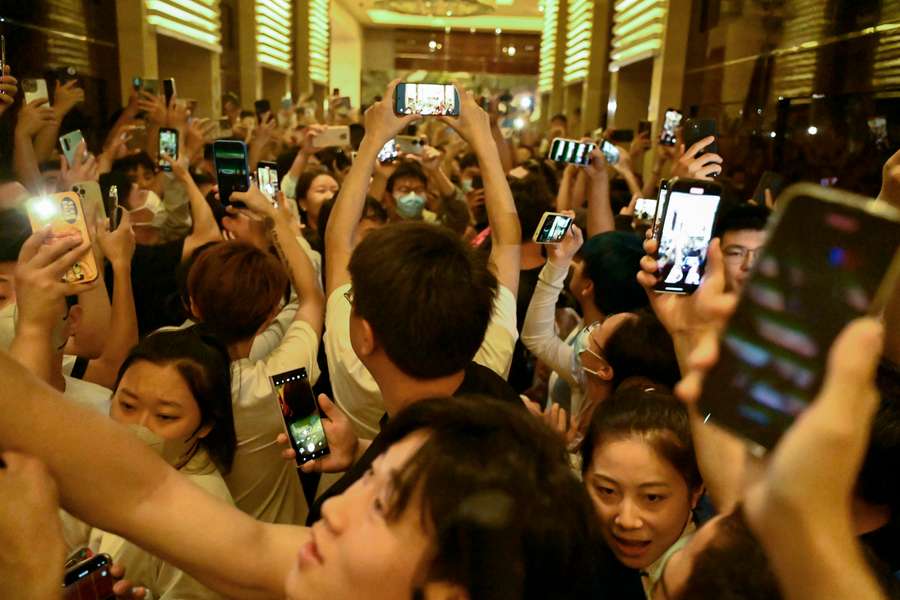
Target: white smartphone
[[69, 144], [35, 89], [645, 210], [333, 136], [552, 228], [410, 144]]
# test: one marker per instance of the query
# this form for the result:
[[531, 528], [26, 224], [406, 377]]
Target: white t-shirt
[[263, 484], [355, 390], [164, 581], [88, 394]]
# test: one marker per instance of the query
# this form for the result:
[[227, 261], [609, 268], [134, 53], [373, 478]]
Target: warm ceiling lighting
[[443, 8]]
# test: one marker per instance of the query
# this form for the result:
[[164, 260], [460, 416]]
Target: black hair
[[133, 161], [489, 472], [305, 181], [559, 117], [231, 97], [426, 294], [15, 229], [742, 216], [372, 210], [335, 159], [658, 417], [641, 347], [532, 199], [205, 366], [406, 168], [468, 160], [201, 178]]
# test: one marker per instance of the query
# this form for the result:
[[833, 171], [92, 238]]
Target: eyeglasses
[[348, 295], [738, 254]]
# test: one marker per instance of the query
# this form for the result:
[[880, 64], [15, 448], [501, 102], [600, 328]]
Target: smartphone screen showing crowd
[[232, 171], [388, 152], [831, 257], [571, 151], [69, 144], [552, 228], [667, 136], [267, 178], [687, 228], [426, 99], [338, 135], [610, 153], [302, 421], [661, 198], [645, 210], [168, 145], [90, 580], [64, 214]]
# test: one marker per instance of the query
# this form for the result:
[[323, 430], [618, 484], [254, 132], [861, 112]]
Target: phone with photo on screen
[[232, 171], [388, 152], [64, 214], [831, 257], [552, 228], [610, 152], [429, 99], [645, 210], [267, 179], [90, 580], [35, 89], [168, 144], [300, 412], [687, 229], [571, 151], [667, 136]]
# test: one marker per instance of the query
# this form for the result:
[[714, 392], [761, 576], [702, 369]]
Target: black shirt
[[478, 380], [521, 371], [153, 280], [885, 544]]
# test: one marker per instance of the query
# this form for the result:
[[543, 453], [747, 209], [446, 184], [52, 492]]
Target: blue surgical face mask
[[466, 185], [410, 206]]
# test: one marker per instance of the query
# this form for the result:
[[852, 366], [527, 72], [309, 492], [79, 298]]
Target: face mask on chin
[[410, 206], [466, 185]]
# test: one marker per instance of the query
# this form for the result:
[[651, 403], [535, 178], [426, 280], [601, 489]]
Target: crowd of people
[[505, 419]]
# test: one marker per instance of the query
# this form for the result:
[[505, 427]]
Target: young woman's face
[[158, 398], [355, 553], [320, 191], [643, 502]]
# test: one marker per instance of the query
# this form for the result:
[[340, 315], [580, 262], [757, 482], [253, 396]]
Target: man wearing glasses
[[742, 231]]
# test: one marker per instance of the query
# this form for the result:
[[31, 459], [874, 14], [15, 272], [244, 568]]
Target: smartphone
[[267, 179], [341, 103], [151, 86], [35, 89], [661, 198], [77, 557], [168, 89], [645, 210], [477, 182], [697, 129], [410, 144], [831, 257], [770, 180], [69, 144], [621, 135], [90, 580], [388, 152], [302, 421], [426, 99], [667, 136], [571, 151], [137, 83], [232, 172], [645, 127], [610, 153], [552, 228], [332, 136], [113, 210], [64, 213], [878, 127], [262, 108], [168, 144], [91, 197], [2, 55], [686, 231]]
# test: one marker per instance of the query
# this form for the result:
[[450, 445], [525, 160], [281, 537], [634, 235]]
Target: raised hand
[[66, 96], [693, 166], [472, 123], [342, 441], [84, 168], [9, 87], [381, 122], [561, 254], [34, 116], [154, 106], [117, 245]]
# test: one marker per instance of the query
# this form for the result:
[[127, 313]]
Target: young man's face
[[741, 248]]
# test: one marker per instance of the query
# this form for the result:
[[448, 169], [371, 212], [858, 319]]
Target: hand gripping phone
[[571, 151], [64, 214], [427, 99], [552, 228], [232, 171], [300, 412]]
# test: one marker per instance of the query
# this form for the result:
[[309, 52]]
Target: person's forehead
[[409, 181], [751, 238]]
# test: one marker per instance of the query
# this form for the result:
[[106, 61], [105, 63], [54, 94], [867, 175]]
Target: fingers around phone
[[695, 149], [708, 170]]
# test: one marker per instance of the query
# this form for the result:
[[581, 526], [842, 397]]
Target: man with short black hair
[[743, 233], [405, 194]]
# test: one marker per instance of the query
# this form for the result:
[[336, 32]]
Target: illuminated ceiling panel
[[578, 40], [319, 40], [192, 21], [638, 28], [548, 46], [273, 34]]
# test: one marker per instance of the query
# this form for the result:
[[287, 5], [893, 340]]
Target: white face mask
[[7, 326], [175, 452], [154, 205]]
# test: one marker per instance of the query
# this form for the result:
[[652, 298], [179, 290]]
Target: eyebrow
[[131, 394], [649, 484]]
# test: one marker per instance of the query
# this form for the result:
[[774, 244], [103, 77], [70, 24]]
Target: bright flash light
[[812, 130], [45, 208], [526, 103], [772, 134], [519, 123]]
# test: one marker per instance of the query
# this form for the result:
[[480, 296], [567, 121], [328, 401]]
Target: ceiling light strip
[[638, 29], [579, 30], [192, 21], [319, 37], [273, 33], [547, 64]]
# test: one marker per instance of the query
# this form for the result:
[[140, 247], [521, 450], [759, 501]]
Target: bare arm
[[600, 217], [204, 228], [579, 189], [33, 117], [564, 195]]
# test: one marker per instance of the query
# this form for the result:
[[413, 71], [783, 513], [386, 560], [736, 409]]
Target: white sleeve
[[314, 257], [289, 187], [496, 350], [298, 348], [268, 340], [539, 329]]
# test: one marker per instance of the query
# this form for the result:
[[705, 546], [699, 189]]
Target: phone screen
[[90, 580], [168, 144], [610, 153], [571, 151], [388, 152], [267, 177], [552, 228], [820, 269], [687, 229], [661, 198], [301, 415], [64, 214], [645, 210], [232, 172], [671, 123], [426, 99]]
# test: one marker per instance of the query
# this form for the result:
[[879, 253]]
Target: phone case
[[410, 144], [91, 197], [35, 89], [333, 136], [548, 231], [64, 213], [69, 144]]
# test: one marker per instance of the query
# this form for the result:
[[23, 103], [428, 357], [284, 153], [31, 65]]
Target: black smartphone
[[477, 182], [644, 127], [831, 257], [113, 210], [661, 198], [168, 144], [697, 129], [552, 228], [300, 412], [232, 172], [687, 228], [771, 181], [667, 136], [168, 89], [267, 179], [262, 107], [621, 136], [571, 151], [90, 580], [426, 99]]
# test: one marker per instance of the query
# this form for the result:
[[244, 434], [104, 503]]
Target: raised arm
[[600, 217], [473, 125], [566, 184], [33, 117], [65, 97], [381, 125], [204, 228]]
